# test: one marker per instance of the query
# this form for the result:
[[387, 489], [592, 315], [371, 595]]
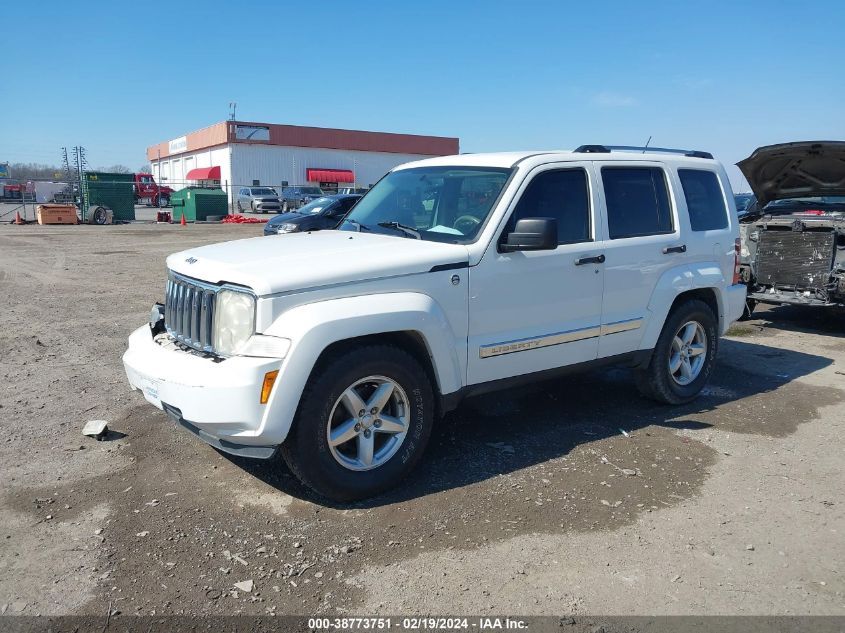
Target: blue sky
[[117, 77]]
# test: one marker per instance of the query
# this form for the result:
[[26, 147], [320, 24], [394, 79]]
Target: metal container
[[112, 190], [198, 203], [56, 214]]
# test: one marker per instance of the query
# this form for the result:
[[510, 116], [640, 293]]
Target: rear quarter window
[[705, 202]]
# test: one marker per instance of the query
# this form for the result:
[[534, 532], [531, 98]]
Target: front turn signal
[[267, 387]]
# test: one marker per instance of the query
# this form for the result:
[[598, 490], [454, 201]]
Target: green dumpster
[[198, 203], [115, 191]]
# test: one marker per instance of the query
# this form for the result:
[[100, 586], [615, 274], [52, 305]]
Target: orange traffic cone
[[184, 222], [18, 218]]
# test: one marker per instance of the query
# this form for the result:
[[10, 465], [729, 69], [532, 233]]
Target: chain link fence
[[130, 191]]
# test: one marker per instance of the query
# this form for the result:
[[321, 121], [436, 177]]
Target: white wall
[[174, 169], [271, 164]]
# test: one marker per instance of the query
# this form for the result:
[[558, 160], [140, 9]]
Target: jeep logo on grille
[[191, 260]]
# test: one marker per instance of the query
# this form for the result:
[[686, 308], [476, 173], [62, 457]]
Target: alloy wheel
[[688, 353], [368, 423]]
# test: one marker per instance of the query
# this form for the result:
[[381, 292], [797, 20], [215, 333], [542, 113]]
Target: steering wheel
[[468, 221]]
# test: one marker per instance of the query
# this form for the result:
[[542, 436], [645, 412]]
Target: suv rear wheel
[[362, 424], [684, 356]]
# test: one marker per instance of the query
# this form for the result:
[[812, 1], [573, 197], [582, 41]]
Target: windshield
[[443, 204], [263, 191], [742, 201], [315, 206]]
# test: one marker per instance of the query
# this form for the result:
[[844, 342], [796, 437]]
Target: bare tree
[[38, 171], [145, 169], [116, 169]]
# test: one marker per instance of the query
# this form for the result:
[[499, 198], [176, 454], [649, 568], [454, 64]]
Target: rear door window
[[705, 202], [561, 194], [637, 201]]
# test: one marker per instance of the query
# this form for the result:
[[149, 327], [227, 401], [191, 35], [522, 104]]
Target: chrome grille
[[189, 311]]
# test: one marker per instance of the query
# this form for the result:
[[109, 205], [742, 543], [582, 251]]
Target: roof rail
[[606, 149], [592, 149]]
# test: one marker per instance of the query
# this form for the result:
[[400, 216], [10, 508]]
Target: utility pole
[[160, 181], [68, 192], [80, 164]]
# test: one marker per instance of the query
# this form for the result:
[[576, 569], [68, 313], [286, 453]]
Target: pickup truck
[[452, 277], [149, 192]]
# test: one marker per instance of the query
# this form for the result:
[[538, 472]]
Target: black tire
[[306, 449], [238, 204], [748, 311], [655, 380], [97, 216]]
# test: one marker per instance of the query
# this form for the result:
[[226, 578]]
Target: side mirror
[[531, 234]]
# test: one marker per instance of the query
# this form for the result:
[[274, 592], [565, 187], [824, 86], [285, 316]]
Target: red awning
[[203, 173], [330, 175]]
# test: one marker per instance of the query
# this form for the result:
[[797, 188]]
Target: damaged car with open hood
[[793, 239]]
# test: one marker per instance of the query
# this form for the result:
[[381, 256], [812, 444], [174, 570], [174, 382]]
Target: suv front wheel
[[362, 424], [684, 356]]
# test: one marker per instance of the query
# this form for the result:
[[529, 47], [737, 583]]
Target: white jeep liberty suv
[[451, 277]]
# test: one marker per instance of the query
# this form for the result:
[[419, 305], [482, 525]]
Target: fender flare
[[313, 327], [671, 283], [676, 281]]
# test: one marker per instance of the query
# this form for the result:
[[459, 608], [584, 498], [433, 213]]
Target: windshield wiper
[[361, 227], [407, 230]]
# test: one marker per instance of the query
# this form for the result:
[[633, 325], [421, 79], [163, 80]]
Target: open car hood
[[796, 170]]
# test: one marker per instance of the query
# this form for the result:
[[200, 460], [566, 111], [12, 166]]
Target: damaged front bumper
[[217, 400], [776, 296]]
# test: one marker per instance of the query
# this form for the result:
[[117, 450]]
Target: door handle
[[675, 249], [597, 259]]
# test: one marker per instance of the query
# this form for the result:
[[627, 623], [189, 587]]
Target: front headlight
[[234, 321], [286, 228]]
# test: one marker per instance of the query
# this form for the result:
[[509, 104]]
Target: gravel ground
[[530, 501]]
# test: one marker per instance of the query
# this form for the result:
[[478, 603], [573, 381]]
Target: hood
[[281, 218], [794, 170], [296, 261]]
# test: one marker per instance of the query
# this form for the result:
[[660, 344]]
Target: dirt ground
[[568, 497]]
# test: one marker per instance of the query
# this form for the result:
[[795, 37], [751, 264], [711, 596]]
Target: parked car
[[258, 200], [359, 190], [793, 241], [322, 213], [744, 203], [295, 197], [453, 276]]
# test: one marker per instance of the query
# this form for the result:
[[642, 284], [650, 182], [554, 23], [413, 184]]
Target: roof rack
[[606, 149]]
